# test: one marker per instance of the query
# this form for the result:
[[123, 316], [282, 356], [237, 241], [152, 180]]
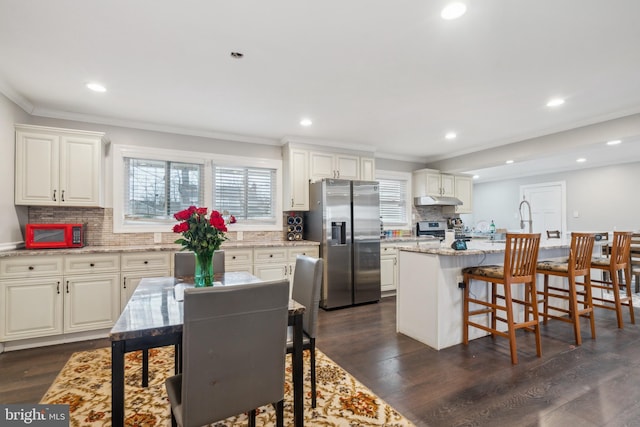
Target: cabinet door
[[37, 169], [80, 171], [464, 192], [388, 272], [347, 167], [367, 169], [321, 165], [131, 279], [91, 301], [433, 185], [448, 185], [296, 180], [30, 308]]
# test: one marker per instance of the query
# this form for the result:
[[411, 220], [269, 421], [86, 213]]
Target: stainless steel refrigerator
[[344, 216]]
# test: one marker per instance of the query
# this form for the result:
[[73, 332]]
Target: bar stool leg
[[573, 307], [627, 274], [616, 298], [465, 311], [512, 330], [536, 316], [589, 302]]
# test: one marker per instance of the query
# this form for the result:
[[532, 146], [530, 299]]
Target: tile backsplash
[[99, 223]]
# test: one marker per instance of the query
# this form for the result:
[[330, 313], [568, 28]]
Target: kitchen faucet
[[522, 221]]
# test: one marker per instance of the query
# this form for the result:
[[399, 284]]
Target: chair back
[[307, 281], [184, 263], [580, 253], [620, 248], [553, 234], [521, 257], [634, 251], [234, 344]]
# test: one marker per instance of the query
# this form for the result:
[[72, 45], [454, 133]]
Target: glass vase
[[204, 269]]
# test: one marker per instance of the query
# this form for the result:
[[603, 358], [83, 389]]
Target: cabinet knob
[[233, 257], [31, 267], [270, 255], [146, 262], [92, 265]]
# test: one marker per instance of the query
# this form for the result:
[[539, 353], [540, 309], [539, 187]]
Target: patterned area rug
[[85, 385]]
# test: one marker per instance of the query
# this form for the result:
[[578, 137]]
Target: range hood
[[436, 201]]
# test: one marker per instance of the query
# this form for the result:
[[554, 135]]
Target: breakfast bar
[[429, 297]]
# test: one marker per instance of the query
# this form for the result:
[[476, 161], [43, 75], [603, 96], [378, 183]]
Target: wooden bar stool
[[634, 256], [519, 269], [579, 301], [617, 261]]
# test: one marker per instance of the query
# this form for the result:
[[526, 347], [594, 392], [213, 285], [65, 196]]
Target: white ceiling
[[391, 76]]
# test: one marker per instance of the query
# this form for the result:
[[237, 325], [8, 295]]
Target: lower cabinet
[[280, 263], [238, 260], [388, 268], [136, 266], [44, 296]]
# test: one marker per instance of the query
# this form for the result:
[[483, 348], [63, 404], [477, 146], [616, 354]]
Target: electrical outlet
[[157, 237], [239, 235]]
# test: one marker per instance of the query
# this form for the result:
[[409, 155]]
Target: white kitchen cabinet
[[464, 192], [367, 169], [296, 179], [58, 167], [388, 268], [91, 301], [277, 263], [430, 182], [238, 259], [138, 265], [332, 165], [30, 308], [52, 295]]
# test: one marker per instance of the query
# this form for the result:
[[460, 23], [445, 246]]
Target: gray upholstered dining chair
[[184, 263], [307, 281], [234, 343]]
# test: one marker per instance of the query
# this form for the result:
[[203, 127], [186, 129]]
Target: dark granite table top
[[156, 307]]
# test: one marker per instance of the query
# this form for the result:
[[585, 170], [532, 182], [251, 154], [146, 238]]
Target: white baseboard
[[53, 340]]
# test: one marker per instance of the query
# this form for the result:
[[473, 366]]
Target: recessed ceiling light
[[306, 122], [451, 135], [453, 11], [581, 160], [509, 162], [237, 55], [614, 142], [555, 102], [96, 87], [476, 176]]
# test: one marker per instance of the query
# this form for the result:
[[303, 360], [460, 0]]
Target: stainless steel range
[[436, 229]]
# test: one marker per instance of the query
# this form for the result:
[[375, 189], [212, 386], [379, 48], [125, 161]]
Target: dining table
[[153, 317]]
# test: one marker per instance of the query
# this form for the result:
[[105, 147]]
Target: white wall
[[12, 218], [605, 198]]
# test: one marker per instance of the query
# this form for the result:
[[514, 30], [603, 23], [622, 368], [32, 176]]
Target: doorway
[[548, 206]]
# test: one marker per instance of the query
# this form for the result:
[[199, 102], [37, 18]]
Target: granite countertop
[[171, 247], [482, 246]]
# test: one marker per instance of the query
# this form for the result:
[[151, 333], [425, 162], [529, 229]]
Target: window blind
[[247, 193], [393, 203]]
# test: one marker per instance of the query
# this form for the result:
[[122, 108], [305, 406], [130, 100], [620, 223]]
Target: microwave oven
[[52, 236]]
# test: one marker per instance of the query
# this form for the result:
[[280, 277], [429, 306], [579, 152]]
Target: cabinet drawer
[[238, 256], [145, 261], [90, 263], [30, 266], [311, 251], [388, 250], [263, 255]]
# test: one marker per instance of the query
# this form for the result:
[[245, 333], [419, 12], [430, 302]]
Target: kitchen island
[[429, 299]]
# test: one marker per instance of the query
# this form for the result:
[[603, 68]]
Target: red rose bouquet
[[203, 234]]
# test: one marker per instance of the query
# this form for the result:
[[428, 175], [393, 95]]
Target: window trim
[[405, 176], [206, 159]]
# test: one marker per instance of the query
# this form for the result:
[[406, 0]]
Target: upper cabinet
[[58, 167], [330, 165], [464, 192], [304, 164], [430, 182]]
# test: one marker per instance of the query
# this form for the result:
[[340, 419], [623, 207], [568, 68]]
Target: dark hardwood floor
[[596, 384]]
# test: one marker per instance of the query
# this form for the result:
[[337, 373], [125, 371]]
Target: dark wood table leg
[[298, 372], [145, 368], [117, 383]]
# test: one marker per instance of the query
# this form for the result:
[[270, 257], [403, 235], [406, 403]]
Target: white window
[[395, 198], [246, 193], [151, 185]]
